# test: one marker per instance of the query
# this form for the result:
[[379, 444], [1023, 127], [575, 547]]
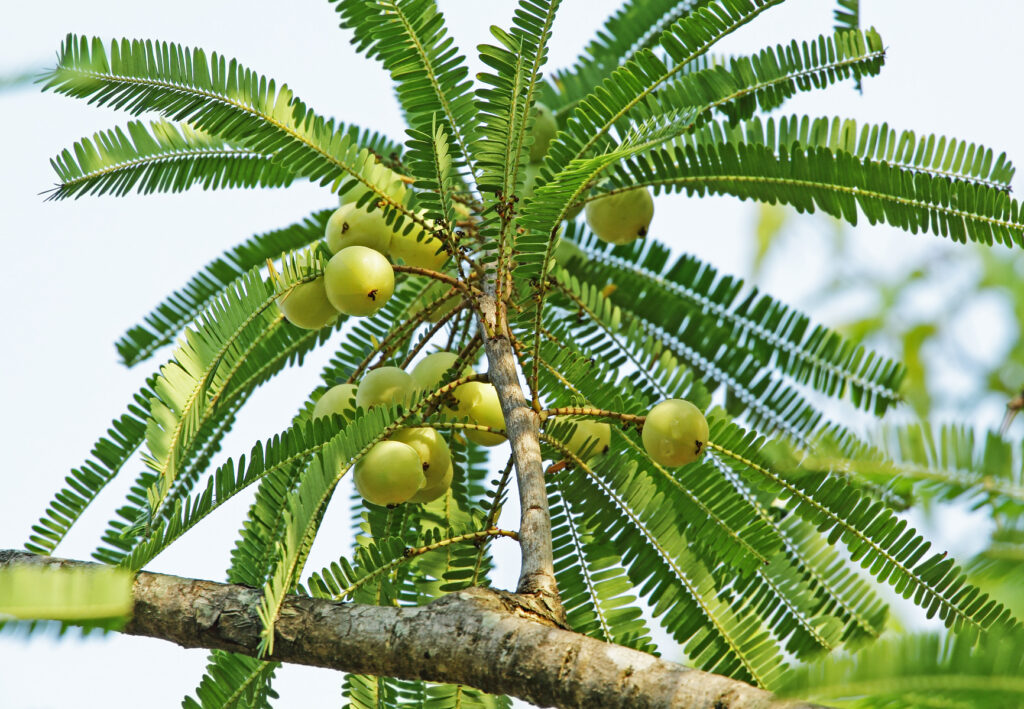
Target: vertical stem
[[522, 426]]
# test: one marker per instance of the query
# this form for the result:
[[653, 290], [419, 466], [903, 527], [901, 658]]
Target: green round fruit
[[354, 226], [458, 404], [336, 401], [432, 449], [418, 249], [389, 474], [428, 492], [485, 411], [430, 370], [427, 373], [306, 305], [592, 436], [621, 217], [359, 280], [384, 386], [675, 433], [543, 131]]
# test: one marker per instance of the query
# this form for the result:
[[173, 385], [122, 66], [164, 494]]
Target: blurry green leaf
[[68, 594]]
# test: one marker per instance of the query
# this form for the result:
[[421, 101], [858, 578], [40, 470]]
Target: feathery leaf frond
[[938, 156], [232, 681], [920, 671], [430, 163], [594, 589], [724, 308], [629, 86], [219, 97], [509, 93], [91, 595], [837, 183], [874, 535], [410, 39], [162, 157], [945, 462], [84, 484], [765, 80]]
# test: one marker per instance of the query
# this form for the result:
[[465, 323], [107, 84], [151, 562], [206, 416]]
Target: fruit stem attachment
[[545, 414], [438, 276]]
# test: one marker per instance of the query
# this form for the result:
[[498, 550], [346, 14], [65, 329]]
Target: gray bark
[[522, 426], [498, 642]]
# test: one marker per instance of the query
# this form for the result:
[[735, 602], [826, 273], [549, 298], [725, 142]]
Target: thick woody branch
[[522, 426], [495, 641]]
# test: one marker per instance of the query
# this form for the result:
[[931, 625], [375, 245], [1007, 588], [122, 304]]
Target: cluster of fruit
[[415, 464], [359, 279], [618, 217]]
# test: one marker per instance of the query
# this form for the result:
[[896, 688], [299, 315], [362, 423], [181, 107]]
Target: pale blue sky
[[83, 271]]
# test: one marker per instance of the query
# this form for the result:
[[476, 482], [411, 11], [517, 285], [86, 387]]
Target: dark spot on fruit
[[642, 231], [372, 295], [344, 227], [698, 445], [426, 466]]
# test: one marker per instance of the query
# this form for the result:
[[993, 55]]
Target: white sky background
[[81, 272]]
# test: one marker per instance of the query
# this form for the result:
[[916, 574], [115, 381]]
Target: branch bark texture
[[495, 641], [522, 426]]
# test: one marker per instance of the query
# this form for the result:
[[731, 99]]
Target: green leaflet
[[847, 14]]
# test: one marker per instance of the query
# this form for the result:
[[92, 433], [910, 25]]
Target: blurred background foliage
[[953, 453]]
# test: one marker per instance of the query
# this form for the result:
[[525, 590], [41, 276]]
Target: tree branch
[[499, 642], [522, 426]]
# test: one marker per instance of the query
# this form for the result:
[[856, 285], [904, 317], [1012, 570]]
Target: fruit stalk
[[591, 411]]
